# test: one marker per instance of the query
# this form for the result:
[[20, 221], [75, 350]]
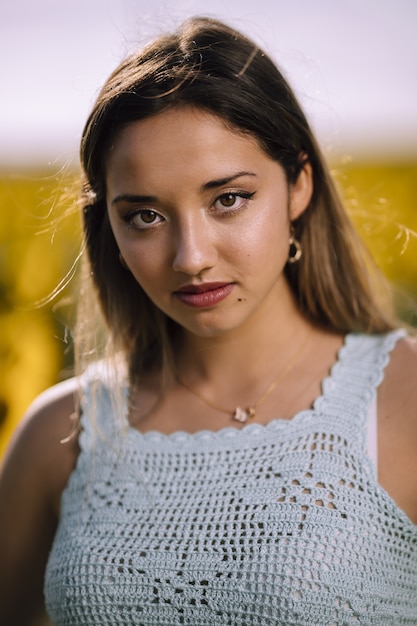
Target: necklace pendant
[[242, 415]]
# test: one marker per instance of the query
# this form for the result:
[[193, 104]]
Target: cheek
[[266, 233], [146, 267], [145, 259]]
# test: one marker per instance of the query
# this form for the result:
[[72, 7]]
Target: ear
[[300, 191]]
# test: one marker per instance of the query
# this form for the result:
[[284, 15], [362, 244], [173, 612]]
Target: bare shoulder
[[397, 426], [46, 438], [53, 410], [34, 472], [399, 388]]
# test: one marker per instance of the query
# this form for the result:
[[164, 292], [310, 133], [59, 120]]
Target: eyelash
[[224, 211], [132, 214], [244, 195]]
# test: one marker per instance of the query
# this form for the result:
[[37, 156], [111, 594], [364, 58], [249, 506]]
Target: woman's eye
[[148, 216], [228, 200], [142, 219], [233, 201]]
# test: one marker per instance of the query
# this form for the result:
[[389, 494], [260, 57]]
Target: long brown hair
[[208, 65]]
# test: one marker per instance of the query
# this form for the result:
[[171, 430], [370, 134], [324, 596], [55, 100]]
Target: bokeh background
[[353, 64]]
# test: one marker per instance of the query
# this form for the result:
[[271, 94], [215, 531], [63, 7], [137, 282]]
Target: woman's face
[[202, 216]]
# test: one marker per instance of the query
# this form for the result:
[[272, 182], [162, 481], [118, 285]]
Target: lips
[[204, 295]]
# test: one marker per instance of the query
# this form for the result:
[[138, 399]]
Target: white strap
[[372, 433]]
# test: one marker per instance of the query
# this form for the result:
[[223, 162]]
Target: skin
[[184, 233], [196, 231]]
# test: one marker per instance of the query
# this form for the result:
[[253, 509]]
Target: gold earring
[[295, 250], [122, 261]]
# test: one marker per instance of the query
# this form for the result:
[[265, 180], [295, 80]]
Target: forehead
[[182, 140]]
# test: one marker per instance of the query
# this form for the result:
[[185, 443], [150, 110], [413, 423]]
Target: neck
[[247, 355]]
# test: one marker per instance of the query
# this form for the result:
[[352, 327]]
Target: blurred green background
[[40, 242]]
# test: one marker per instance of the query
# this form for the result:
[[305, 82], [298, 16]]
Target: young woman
[[247, 454]]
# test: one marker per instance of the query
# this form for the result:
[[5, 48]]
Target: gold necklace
[[242, 415]]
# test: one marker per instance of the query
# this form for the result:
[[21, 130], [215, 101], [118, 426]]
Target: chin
[[211, 328]]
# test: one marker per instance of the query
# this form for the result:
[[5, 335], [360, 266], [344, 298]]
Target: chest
[[279, 531]]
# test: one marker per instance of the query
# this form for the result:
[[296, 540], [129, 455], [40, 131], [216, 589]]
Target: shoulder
[[399, 387], [52, 416], [34, 472], [397, 426], [44, 447], [397, 395]]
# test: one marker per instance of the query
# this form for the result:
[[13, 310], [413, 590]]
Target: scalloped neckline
[[275, 424], [249, 430]]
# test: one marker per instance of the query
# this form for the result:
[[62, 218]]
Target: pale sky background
[[353, 63]]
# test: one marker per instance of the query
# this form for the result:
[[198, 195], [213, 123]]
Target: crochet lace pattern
[[283, 524]]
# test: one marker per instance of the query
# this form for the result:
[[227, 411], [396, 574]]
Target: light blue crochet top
[[280, 525]]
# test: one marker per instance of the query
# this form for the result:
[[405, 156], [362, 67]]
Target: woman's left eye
[[232, 201]]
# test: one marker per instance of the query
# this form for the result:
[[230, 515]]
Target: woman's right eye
[[142, 219]]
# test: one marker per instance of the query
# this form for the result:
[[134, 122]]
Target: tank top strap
[[352, 386], [103, 404]]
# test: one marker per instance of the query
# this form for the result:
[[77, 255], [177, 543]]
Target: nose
[[195, 248]]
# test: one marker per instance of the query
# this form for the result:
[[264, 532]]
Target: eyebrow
[[211, 184], [128, 197]]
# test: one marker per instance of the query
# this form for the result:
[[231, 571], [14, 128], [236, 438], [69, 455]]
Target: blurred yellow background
[[38, 248]]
